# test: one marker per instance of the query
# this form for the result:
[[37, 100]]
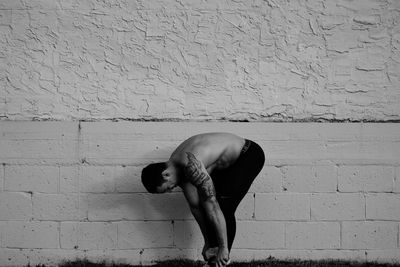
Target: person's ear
[[165, 174]]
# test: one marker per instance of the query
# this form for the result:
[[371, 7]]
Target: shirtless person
[[215, 171]]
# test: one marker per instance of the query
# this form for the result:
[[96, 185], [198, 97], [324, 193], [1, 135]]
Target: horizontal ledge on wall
[[262, 119]]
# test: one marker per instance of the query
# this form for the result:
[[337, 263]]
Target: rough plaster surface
[[72, 190], [269, 60]]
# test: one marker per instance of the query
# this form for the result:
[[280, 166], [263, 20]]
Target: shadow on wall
[[120, 196]]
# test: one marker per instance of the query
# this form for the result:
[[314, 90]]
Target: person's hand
[[209, 252], [222, 257]]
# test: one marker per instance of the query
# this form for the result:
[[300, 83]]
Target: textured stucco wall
[[72, 189], [196, 60]]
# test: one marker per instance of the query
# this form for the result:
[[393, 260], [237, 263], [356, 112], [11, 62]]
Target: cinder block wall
[[72, 190]]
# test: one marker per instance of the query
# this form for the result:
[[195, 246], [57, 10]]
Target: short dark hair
[[151, 176]]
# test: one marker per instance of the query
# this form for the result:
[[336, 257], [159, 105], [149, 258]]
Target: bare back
[[216, 150]]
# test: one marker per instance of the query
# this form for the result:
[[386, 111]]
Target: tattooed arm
[[198, 176]]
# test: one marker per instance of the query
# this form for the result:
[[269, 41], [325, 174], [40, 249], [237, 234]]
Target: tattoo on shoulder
[[199, 178]]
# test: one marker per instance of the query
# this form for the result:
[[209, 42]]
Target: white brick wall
[[74, 190]]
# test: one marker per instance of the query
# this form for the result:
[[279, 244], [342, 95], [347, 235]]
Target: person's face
[[166, 187], [169, 183]]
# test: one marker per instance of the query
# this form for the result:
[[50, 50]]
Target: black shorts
[[235, 181]]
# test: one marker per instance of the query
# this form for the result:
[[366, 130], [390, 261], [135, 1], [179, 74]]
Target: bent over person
[[215, 171]]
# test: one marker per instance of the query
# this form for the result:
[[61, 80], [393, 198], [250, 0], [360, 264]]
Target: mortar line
[[309, 203], [173, 232], [394, 178], [284, 235], [78, 171], [398, 235], [4, 177], [365, 205], [337, 177], [59, 180], [254, 206], [341, 234], [32, 217], [59, 235]]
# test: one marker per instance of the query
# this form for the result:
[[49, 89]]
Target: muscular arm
[[201, 220], [198, 176]]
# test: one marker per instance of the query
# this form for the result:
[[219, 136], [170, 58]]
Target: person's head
[[159, 177]]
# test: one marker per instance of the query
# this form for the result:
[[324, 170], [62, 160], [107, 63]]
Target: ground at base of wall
[[264, 263]]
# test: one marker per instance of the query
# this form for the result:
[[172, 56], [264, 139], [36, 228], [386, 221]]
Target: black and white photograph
[[199, 133]]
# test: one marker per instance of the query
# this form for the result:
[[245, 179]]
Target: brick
[[13, 257], [269, 180], [383, 206], [312, 235], [138, 206], [39, 130], [371, 152], [43, 142], [384, 255], [121, 151], [379, 132], [57, 207], [337, 206], [291, 152], [128, 179], [97, 179], [147, 143], [169, 206], [2, 226], [187, 234], [260, 235], [310, 178], [307, 132], [15, 206], [112, 207], [397, 181], [365, 178], [42, 179], [245, 210], [52, 257], [69, 182], [369, 235], [151, 234], [20, 234], [88, 235], [282, 206]]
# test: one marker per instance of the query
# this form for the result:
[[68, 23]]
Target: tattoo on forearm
[[199, 177]]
